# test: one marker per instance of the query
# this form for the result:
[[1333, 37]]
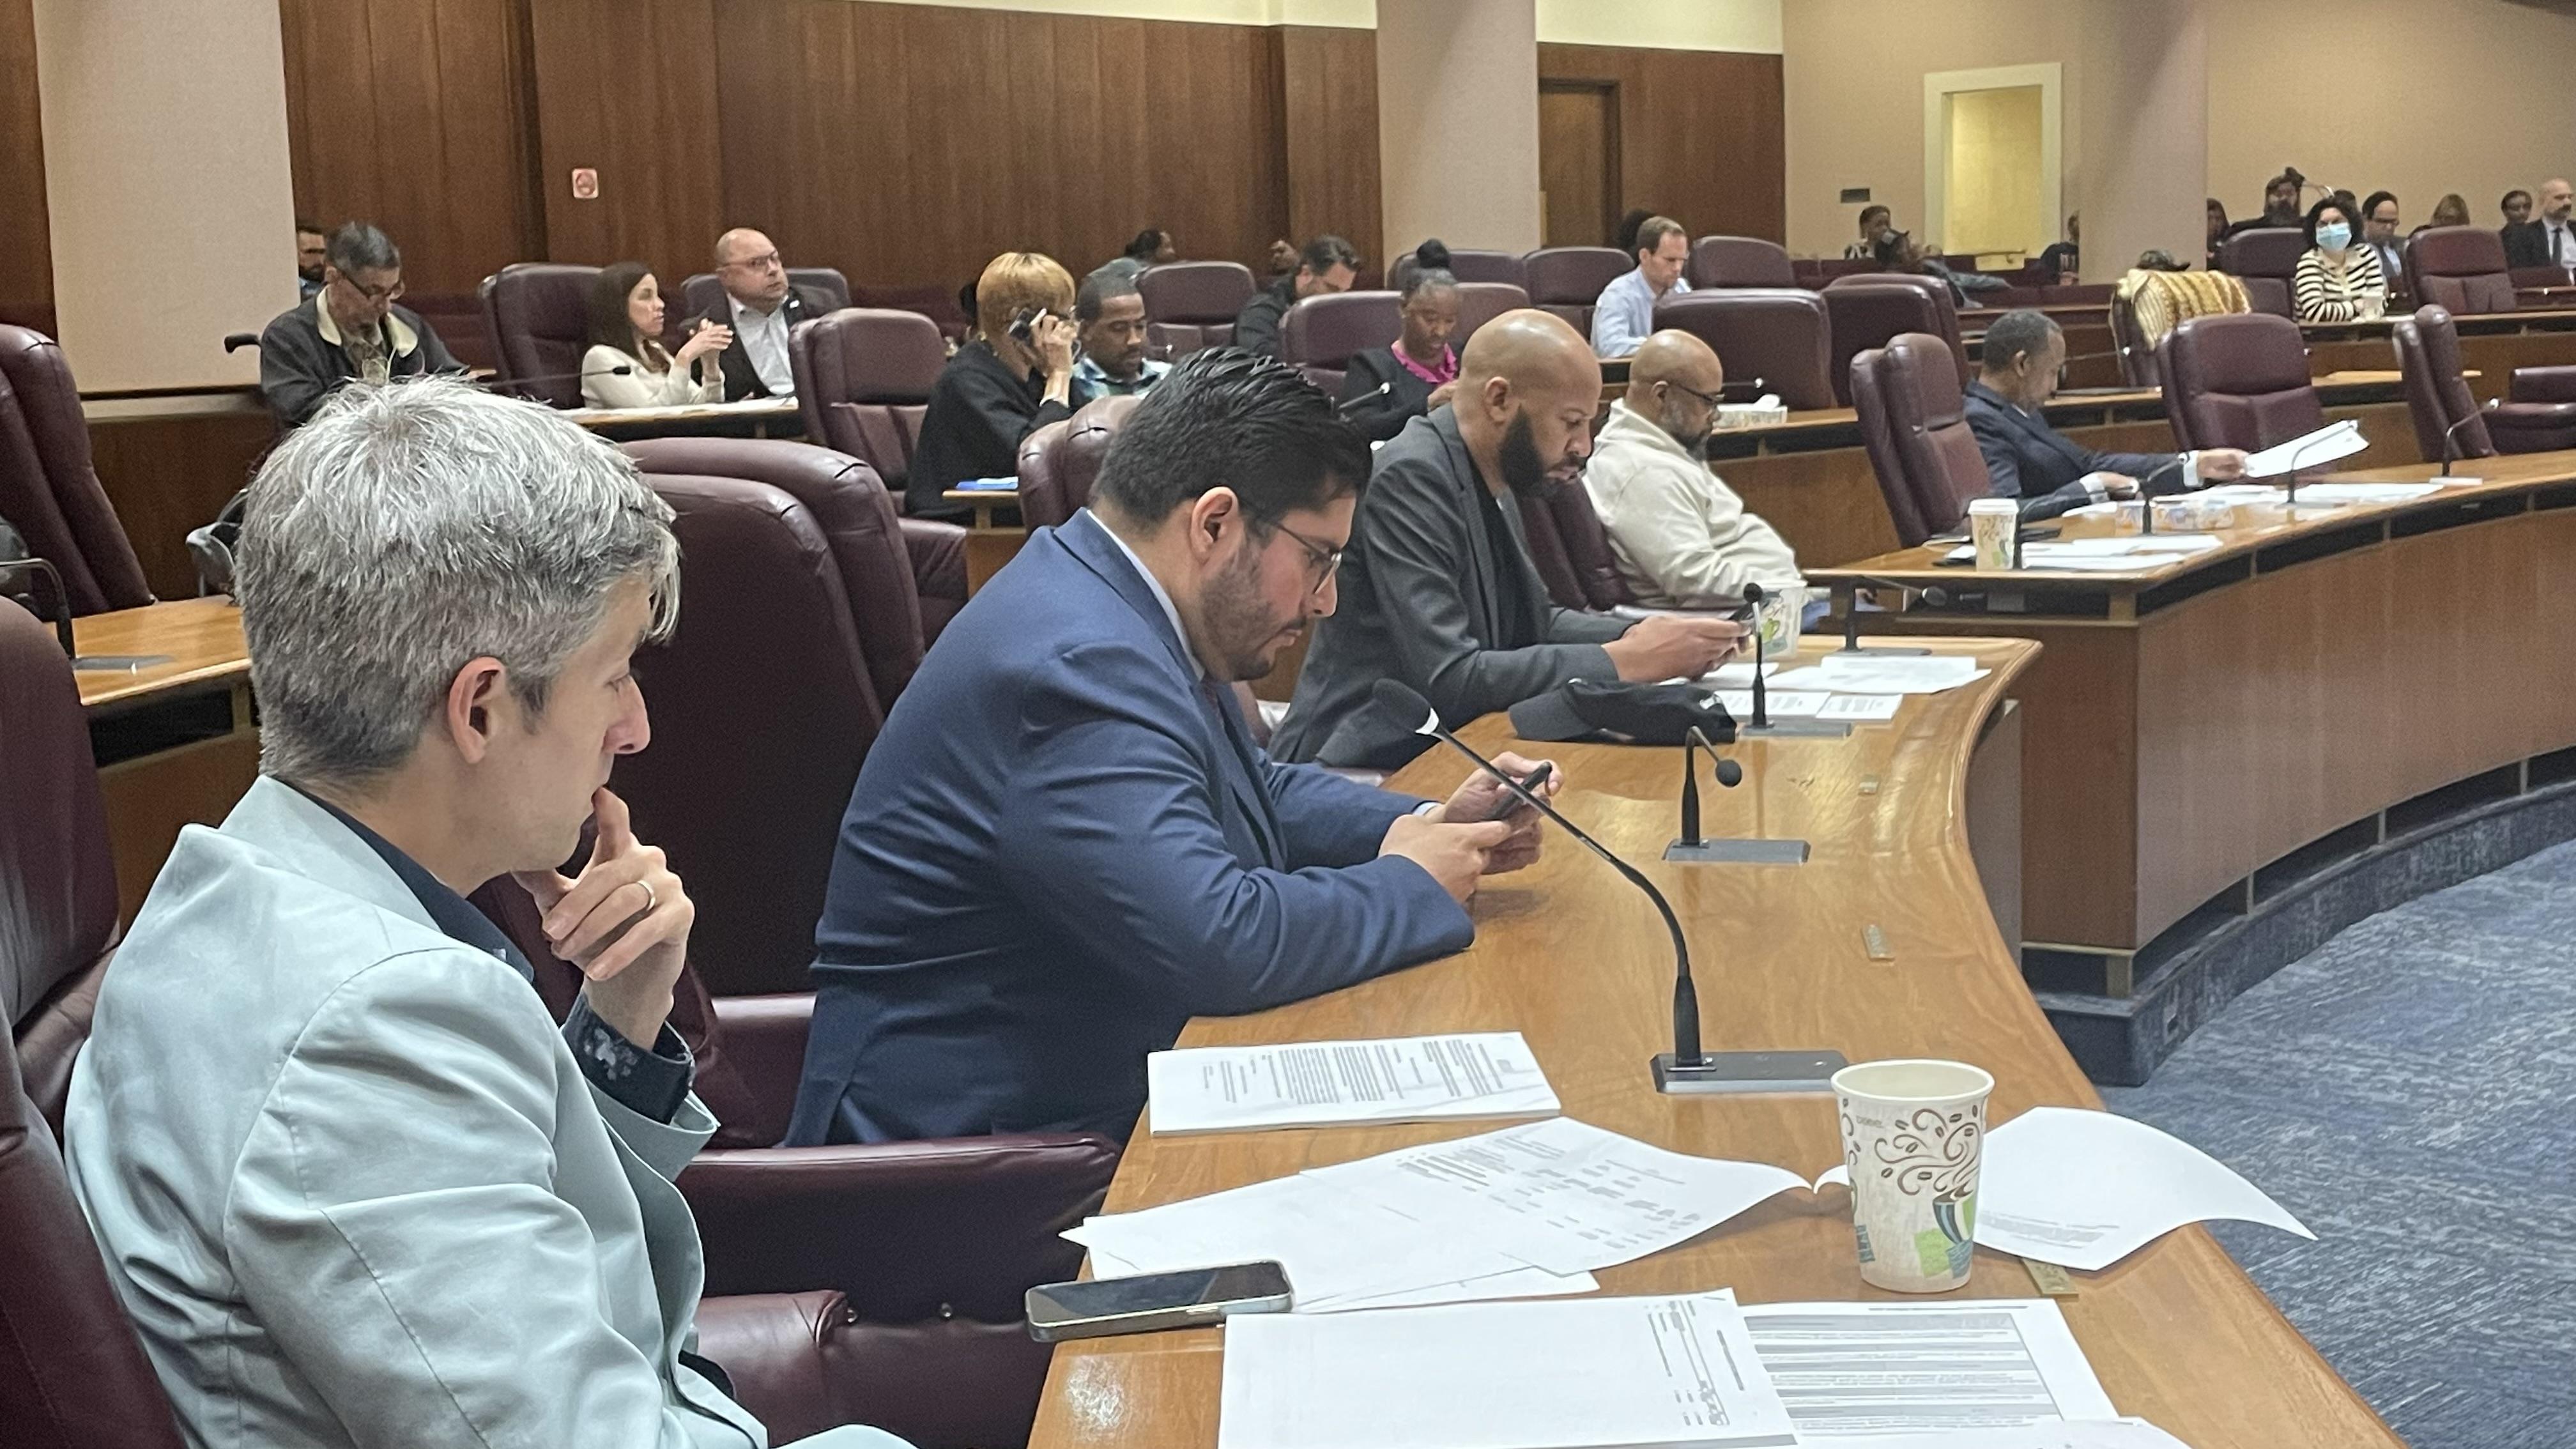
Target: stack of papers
[[1812, 704], [2105, 555], [1603, 1371], [2339, 493], [1849, 1372], [2334, 440], [1883, 674], [1318, 1084]]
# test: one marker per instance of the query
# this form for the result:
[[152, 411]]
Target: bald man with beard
[[1437, 586], [1681, 536]]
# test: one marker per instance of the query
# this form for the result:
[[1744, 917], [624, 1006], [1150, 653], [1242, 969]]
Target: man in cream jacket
[[353, 1185], [1680, 534]]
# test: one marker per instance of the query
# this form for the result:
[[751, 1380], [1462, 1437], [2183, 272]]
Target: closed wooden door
[[1578, 162]]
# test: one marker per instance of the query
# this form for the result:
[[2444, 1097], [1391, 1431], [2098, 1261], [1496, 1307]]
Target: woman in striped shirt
[[2337, 281]]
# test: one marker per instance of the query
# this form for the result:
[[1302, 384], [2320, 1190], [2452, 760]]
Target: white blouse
[[644, 387]]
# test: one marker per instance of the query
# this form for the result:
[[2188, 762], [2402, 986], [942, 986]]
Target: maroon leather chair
[[856, 513], [48, 489], [2460, 269], [1867, 309], [1059, 462], [1190, 305], [939, 304], [1778, 335], [2438, 398], [1914, 424], [2239, 381], [702, 293], [1482, 302], [1467, 264], [1572, 549], [1568, 280], [2137, 359], [2265, 259], [457, 318], [1739, 261], [1320, 333], [863, 380], [538, 315]]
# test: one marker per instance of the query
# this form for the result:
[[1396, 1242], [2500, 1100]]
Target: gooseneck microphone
[[2451, 435], [505, 384], [1933, 595], [1343, 408], [1729, 774], [2147, 492]]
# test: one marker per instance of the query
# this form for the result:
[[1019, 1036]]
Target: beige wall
[[166, 179], [2471, 96], [1447, 69]]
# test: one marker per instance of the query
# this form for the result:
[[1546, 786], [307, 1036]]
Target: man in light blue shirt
[[1625, 315], [1110, 316]]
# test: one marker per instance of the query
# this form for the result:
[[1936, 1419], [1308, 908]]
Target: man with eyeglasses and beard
[[1439, 590], [1680, 535], [1067, 842], [347, 330]]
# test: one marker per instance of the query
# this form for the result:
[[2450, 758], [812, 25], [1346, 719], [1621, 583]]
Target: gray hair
[[360, 247], [2022, 330], [410, 528]]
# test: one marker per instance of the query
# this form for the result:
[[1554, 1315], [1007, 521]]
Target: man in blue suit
[[1066, 842]]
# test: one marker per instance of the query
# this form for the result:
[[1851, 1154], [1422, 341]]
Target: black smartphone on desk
[[1192, 1298]]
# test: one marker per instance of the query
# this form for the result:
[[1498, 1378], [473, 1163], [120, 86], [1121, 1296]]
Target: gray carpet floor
[[2409, 1090]]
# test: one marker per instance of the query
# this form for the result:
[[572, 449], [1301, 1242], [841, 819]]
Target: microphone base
[[1890, 651], [1737, 852], [1817, 729], [1733, 1073]]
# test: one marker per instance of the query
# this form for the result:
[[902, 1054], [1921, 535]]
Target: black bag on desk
[[1623, 713]]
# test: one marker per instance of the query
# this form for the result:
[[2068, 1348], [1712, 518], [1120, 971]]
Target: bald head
[[1528, 386], [747, 264], [1673, 382]]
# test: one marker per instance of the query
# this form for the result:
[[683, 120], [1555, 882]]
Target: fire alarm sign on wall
[[585, 183]]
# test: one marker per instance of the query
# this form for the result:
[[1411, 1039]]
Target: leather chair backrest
[[1739, 261], [2460, 269], [1568, 280], [863, 380], [2239, 381], [2265, 257], [1867, 309], [48, 490], [1467, 264], [1776, 334], [58, 908], [1572, 549], [1870, 402], [1320, 333], [1059, 462], [762, 712], [1482, 302], [539, 316], [2137, 359], [851, 508], [1927, 425], [702, 293], [1190, 305], [2437, 395]]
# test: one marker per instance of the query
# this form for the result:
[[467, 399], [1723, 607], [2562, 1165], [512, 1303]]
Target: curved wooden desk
[[2215, 735], [1571, 955]]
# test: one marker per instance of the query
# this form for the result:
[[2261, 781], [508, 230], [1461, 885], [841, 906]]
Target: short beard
[[1237, 624], [1524, 471], [1693, 443]]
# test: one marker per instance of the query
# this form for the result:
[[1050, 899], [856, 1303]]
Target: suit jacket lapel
[[1481, 587]]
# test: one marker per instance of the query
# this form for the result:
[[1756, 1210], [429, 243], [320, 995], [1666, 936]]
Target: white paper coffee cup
[[1913, 1135], [1777, 616], [1992, 522]]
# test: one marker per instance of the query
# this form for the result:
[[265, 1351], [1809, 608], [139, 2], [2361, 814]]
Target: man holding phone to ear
[[1067, 841]]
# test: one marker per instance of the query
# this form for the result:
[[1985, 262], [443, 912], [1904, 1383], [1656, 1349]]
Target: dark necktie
[[1227, 716]]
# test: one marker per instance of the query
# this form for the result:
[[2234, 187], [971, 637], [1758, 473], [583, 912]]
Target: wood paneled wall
[[26, 246], [629, 87], [417, 115], [1700, 133], [1328, 83]]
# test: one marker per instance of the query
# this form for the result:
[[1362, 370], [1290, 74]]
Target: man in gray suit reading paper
[[1438, 589], [353, 1185]]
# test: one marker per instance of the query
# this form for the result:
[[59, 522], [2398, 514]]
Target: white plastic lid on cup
[[1915, 1081], [2003, 506]]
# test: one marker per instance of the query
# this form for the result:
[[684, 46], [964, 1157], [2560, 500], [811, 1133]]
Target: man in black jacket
[[2545, 240], [1327, 265], [2028, 460], [350, 329], [762, 309]]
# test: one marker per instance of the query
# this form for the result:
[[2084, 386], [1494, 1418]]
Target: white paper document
[[1862, 708], [1581, 1374], [1561, 1195], [1514, 1283], [1883, 674], [1777, 703], [2334, 440], [2064, 1434], [1314, 1084], [1867, 1369], [2086, 1189]]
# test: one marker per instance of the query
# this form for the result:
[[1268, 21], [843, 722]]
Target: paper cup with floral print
[[1913, 1134]]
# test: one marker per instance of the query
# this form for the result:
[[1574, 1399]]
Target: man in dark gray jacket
[[349, 330], [1437, 588]]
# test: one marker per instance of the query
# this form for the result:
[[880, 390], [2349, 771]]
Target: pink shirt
[[1446, 372]]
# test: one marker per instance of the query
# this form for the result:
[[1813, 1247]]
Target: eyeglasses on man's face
[[1323, 560]]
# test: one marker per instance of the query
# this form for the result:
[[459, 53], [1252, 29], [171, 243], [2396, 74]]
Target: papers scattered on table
[[1737, 675], [2086, 1189], [2334, 440], [1872, 1369], [2336, 493], [1316, 1084], [1779, 703], [1883, 674], [2065, 1434], [1593, 1372], [2118, 554], [1861, 708]]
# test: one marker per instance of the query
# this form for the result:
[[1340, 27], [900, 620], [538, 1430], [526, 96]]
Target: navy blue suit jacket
[[1059, 851], [2028, 460]]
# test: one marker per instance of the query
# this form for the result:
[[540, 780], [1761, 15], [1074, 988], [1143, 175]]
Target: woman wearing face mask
[[2336, 280]]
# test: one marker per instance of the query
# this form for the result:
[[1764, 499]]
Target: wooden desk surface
[[201, 637], [2256, 526], [1570, 955]]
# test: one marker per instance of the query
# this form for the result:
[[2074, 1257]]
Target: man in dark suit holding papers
[[1066, 842]]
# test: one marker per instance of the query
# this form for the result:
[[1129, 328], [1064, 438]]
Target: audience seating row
[[1320, 334], [2458, 268], [1799, 344]]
